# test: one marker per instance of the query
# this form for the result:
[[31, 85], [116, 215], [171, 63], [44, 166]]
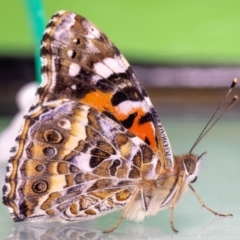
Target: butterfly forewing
[[81, 63]]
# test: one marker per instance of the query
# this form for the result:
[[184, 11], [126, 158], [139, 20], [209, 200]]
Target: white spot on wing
[[125, 62], [137, 141], [127, 107], [148, 101], [90, 47], [114, 64], [73, 69], [44, 61], [82, 161], [93, 32], [65, 123], [70, 53], [47, 30], [44, 80], [75, 40], [102, 70], [96, 78], [74, 87], [108, 66]]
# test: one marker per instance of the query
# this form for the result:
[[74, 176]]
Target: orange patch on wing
[[145, 130], [102, 102], [99, 100]]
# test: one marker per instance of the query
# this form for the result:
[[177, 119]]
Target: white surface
[[24, 99]]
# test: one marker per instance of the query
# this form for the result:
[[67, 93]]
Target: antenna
[[207, 127]]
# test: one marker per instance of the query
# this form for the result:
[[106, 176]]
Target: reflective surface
[[218, 185]]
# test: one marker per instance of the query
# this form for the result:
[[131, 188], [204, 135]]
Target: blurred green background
[[170, 44], [156, 31]]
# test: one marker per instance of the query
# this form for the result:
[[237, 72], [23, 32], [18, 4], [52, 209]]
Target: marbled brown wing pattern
[[74, 163], [93, 136], [80, 63]]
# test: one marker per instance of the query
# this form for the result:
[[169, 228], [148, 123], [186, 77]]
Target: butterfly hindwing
[[86, 165]]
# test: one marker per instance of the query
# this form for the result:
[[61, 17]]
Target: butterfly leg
[[179, 186], [124, 213], [143, 199], [203, 204], [172, 220]]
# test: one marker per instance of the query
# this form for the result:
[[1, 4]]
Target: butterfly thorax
[[167, 189], [185, 171], [168, 182]]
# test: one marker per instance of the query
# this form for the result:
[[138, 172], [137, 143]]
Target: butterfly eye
[[190, 165], [76, 41], [40, 186], [194, 180]]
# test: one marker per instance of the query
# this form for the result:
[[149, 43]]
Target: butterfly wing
[[74, 163], [80, 63]]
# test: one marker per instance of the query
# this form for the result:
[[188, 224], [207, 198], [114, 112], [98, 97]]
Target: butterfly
[[92, 143]]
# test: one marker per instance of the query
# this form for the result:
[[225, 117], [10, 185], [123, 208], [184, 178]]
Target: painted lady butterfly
[[93, 142]]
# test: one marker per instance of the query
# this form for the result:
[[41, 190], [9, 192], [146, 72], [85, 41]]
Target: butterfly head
[[191, 164]]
